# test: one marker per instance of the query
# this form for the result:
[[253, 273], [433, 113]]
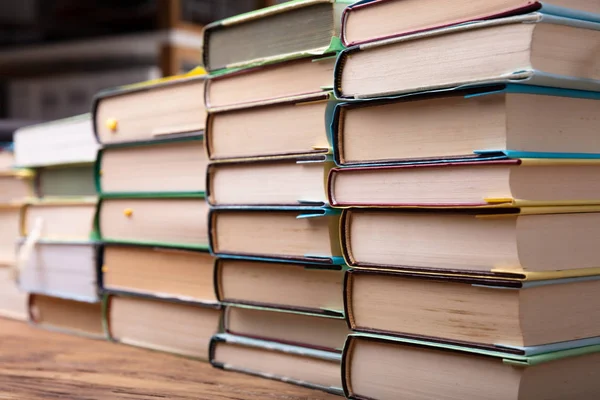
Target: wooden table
[[37, 364]]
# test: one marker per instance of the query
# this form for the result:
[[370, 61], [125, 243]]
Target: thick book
[[16, 186], [168, 326], [294, 328], [249, 86], [130, 113], [533, 49], [61, 269], [70, 180], [286, 31], [274, 182], [302, 234], [59, 219], [388, 369], [68, 316], [10, 224], [176, 166], [499, 120], [256, 131], [152, 220], [481, 312], [497, 183], [64, 141], [13, 302], [314, 289], [517, 243], [316, 369], [370, 20], [159, 272], [7, 156]]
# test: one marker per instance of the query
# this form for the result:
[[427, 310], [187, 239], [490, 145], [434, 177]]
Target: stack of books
[[157, 274], [472, 199], [57, 260], [16, 185], [280, 269]]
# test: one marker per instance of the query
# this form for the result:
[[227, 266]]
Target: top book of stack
[[292, 30]]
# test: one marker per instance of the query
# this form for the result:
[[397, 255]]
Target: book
[[68, 316], [497, 183], [387, 369], [284, 286], [13, 302], [488, 313], [10, 224], [316, 369], [274, 182], [534, 49], [247, 86], [61, 269], [127, 114], [305, 330], [173, 327], [159, 221], [7, 157], [60, 219], [16, 186], [515, 120], [538, 239], [281, 32], [64, 141], [369, 20], [165, 167], [302, 234], [159, 272], [71, 180], [256, 131]]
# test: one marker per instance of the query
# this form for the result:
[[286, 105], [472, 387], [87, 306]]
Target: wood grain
[[37, 364]]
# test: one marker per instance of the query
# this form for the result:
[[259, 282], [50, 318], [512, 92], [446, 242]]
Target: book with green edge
[[388, 368], [295, 29], [173, 167], [157, 219]]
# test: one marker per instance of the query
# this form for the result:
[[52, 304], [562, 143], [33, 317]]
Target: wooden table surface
[[37, 364]]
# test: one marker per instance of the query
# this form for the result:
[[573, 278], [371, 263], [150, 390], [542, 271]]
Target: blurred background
[[56, 54]]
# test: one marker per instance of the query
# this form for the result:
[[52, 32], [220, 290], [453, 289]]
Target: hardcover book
[[16, 186], [128, 114], [71, 180], [248, 86], [316, 369], [169, 326], [13, 302], [159, 272], [59, 219], [10, 224], [296, 234], [68, 316], [489, 313], [61, 269], [315, 289], [518, 121], [533, 49], [164, 221], [517, 243], [64, 141], [286, 31], [369, 20], [160, 168], [274, 182], [498, 183], [388, 369], [313, 331], [256, 131]]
